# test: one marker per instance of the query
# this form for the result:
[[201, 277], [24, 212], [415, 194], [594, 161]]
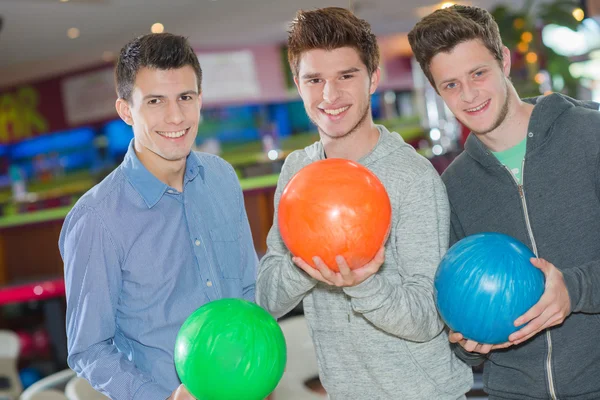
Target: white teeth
[[337, 111], [173, 134], [477, 108]]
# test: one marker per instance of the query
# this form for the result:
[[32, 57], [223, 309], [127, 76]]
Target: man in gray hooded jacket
[[376, 330], [530, 171]]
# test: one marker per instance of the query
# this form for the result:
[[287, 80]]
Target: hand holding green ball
[[230, 349]]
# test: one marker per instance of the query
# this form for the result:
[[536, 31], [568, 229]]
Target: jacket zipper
[[530, 233]]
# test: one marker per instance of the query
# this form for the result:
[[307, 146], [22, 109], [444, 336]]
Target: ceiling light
[[531, 57], [73, 33], [157, 28], [527, 37], [578, 14]]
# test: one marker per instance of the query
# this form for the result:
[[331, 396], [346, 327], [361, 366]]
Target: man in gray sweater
[[530, 171], [376, 330]]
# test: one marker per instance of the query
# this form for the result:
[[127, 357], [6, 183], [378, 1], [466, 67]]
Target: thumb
[[540, 264], [380, 256]]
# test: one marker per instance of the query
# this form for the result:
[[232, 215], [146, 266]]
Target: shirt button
[[530, 134], [170, 191], [209, 283], [197, 242]]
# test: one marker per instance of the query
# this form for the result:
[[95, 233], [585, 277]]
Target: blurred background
[[60, 134]]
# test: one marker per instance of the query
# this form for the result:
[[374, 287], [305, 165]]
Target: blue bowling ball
[[484, 283], [29, 376]]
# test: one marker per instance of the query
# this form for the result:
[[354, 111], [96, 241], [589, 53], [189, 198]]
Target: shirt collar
[[146, 184]]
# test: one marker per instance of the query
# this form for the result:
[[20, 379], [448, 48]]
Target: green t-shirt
[[513, 158]]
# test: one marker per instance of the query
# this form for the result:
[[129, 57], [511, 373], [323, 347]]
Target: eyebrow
[[470, 72], [161, 96], [318, 75]]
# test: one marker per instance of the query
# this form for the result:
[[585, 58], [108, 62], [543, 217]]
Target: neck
[[168, 172], [353, 146], [513, 129]]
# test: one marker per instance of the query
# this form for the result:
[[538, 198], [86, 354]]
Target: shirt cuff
[[573, 287], [150, 391]]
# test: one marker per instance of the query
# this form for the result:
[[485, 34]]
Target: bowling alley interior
[[61, 135]]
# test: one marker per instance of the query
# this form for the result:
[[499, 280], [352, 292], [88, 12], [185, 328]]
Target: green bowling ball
[[230, 349]]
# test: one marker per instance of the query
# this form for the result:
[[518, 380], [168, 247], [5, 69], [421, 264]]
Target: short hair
[[444, 29], [162, 51], [331, 28]]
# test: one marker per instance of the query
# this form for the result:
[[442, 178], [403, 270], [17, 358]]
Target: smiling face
[[336, 90], [164, 112], [473, 85]]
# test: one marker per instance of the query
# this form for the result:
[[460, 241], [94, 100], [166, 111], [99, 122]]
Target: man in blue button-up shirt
[[163, 234]]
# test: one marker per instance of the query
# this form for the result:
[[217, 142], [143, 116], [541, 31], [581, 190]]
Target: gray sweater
[[560, 200], [383, 338]]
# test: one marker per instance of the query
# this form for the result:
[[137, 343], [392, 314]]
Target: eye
[[479, 74], [451, 85], [314, 81], [153, 101], [347, 76], [186, 97]]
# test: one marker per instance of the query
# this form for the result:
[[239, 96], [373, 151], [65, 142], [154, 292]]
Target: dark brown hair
[[331, 28], [157, 51], [443, 29]]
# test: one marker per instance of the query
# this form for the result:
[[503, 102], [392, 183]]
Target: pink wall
[[270, 70], [270, 74]]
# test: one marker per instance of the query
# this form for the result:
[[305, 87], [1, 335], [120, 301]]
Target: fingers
[[346, 276], [534, 312], [541, 264], [485, 348], [502, 345], [380, 256], [345, 270], [474, 347], [455, 337], [534, 326], [326, 273], [552, 308], [469, 345], [181, 393], [377, 261], [313, 273]]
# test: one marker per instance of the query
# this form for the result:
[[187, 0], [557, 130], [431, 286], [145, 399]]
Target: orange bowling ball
[[334, 207]]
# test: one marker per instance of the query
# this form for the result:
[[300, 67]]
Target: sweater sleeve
[[280, 285]]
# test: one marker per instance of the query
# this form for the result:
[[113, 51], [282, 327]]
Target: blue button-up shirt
[[139, 258]]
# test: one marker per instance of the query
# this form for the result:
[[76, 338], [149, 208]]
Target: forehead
[[460, 60], [169, 80], [322, 61]]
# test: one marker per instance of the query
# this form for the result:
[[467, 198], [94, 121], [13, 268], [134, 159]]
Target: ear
[[506, 61], [375, 77], [297, 83], [124, 111]]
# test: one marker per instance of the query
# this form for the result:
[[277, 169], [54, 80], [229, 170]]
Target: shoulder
[[213, 163], [217, 172], [97, 197], [294, 162], [457, 169], [407, 166]]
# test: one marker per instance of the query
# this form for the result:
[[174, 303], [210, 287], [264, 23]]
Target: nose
[[469, 92], [330, 92], [174, 115]]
